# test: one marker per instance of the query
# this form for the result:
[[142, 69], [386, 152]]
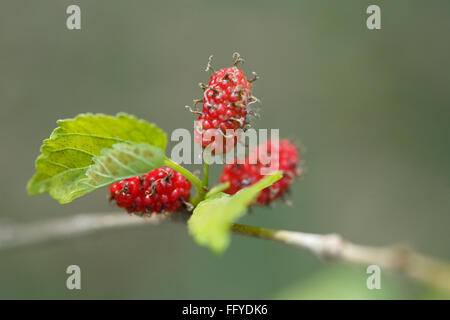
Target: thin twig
[[332, 246], [14, 235]]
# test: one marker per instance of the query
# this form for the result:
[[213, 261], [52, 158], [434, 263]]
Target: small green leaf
[[76, 157], [212, 218]]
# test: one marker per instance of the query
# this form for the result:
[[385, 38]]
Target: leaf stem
[[188, 175], [332, 246], [206, 173], [216, 189]]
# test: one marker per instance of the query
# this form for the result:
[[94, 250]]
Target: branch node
[[331, 247]]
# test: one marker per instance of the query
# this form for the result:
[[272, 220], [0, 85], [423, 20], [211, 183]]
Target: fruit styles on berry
[[159, 191], [226, 100], [241, 174]]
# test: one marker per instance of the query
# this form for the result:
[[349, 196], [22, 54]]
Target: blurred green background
[[372, 109]]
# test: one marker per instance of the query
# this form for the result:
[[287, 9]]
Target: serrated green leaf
[[75, 147], [122, 161], [212, 218]]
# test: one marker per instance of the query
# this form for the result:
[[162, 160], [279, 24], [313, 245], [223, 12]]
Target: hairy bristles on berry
[[191, 110], [237, 59], [197, 101], [209, 66], [225, 101], [255, 77], [225, 135], [161, 190], [252, 100], [241, 175], [240, 120], [215, 91]]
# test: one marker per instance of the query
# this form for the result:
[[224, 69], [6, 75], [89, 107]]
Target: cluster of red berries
[[160, 190], [242, 175], [225, 102], [224, 111]]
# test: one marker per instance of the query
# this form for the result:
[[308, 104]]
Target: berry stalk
[[218, 188], [206, 173], [201, 192]]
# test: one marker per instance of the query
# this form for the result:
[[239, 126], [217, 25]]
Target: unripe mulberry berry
[[243, 175], [228, 91], [217, 140], [224, 110], [160, 190]]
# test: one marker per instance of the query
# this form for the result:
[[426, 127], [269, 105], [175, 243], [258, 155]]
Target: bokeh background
[[372, 109]]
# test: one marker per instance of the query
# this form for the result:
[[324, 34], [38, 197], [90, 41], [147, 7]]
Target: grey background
[[371, 108]]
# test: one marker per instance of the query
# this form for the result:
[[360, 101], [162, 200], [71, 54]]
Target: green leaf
[[76, 158], [212, 218]]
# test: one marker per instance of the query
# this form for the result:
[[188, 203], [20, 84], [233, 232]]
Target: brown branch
[[395, 258], [14, 235], [332, 246]]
